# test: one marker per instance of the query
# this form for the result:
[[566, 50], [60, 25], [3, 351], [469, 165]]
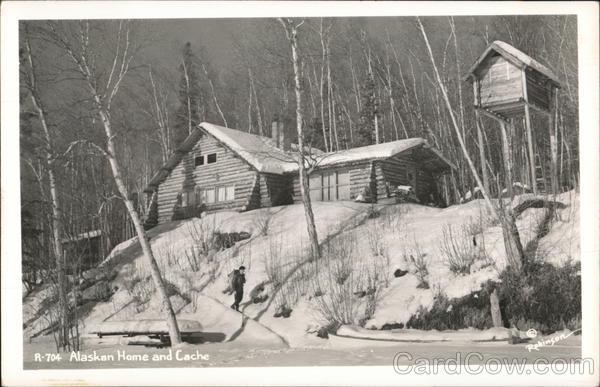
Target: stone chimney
[[280, 133]]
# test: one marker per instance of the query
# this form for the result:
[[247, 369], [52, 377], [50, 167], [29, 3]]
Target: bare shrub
[[203, 234], [289, 276], [261, 221], [140, 289], [415, 259], [346, 287], [460, 250], [193, 258], [379, 250], [273, 264], [393, 219]]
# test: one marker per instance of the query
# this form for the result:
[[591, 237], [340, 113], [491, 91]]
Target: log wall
[[229, 169], [361, 176], [394, 171], [275, 190], [537, 92]]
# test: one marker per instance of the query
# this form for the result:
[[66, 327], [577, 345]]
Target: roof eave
[[513, 59]]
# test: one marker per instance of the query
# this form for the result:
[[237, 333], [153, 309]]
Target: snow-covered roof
[[262, 154], [369, 152], [259, 151], [84, 235], [515, 56]]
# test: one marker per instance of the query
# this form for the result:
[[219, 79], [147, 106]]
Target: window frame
[[199, 157], [208, 158]]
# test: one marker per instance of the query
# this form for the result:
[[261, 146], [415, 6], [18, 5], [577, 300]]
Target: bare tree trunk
[[57, 229], [291, 32], [512, 241], [214, 93], [249, 102], [322, 85], [167, 308], [162, 122], [257, 105], [458, 74], [355, 84], [103, 101]]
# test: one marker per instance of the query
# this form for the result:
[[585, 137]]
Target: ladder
[[542, 175]]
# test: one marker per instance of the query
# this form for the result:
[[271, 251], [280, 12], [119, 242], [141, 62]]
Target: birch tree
[[30, 69], [102, 91], [510, 233], [291, 31]]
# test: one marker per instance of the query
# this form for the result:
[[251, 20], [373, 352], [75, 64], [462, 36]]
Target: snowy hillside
[[366, 244]]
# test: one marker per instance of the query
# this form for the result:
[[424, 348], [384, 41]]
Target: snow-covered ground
[[279, 238]]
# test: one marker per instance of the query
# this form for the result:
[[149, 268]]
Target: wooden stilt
[[506, 156], [482, 158], [553, 141], [530, 148]]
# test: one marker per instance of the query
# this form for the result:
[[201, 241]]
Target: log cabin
[[218, 168]]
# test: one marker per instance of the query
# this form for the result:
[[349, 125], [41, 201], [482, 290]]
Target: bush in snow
[[346, 287], [140, 291], [415, 259], [544, 297], [472, 311], [393, 219], [273, 263], [460, 250], [261, 221], [379, 251], [288, 275]]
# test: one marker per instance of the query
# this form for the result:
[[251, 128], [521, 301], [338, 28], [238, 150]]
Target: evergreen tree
[[189, 114], [368, 113]]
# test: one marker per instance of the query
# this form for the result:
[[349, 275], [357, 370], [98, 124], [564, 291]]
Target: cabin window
[[220, 194], [216, 194], [208, 195], [210, 158], [187, 198], [315, 182], [330, 185]]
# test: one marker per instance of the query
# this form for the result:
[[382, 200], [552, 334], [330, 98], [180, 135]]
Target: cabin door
[[412, 178]]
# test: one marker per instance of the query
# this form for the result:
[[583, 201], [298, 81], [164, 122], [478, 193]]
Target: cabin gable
[[209, 177], [499, 81]]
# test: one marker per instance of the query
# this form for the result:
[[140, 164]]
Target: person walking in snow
[[238, 287]]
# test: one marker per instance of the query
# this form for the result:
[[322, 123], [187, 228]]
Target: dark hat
[[242, 267]]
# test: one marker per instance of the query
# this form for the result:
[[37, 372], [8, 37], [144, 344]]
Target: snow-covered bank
[[196, 279]]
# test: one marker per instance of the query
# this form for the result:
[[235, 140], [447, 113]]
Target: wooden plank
[[492, 115]]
